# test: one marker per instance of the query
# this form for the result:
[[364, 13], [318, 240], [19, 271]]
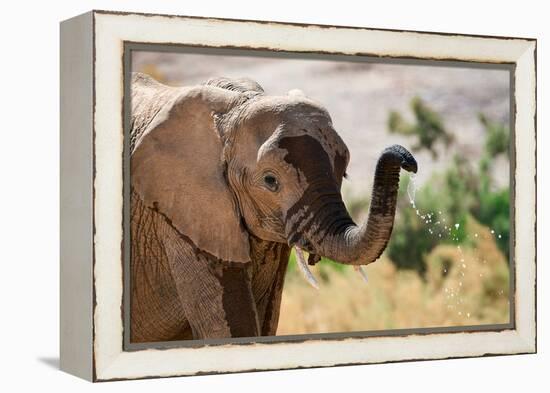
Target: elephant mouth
[[321, 225], [307, 243], [302, 246], [312, 259]]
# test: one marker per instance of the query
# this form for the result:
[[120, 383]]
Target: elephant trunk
[[345, 242]]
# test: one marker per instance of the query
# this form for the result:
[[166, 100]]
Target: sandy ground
[[359, 96], [473, 289]]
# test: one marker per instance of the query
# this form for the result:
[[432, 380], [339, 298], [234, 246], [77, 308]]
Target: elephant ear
[[177, 167]]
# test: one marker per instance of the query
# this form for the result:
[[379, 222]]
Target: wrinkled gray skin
[[225, 181]]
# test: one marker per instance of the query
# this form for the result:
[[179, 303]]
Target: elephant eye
[[271, 182]]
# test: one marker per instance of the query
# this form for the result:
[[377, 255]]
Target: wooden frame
[[92, 160]]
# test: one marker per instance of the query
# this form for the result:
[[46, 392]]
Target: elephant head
[[224, 160]]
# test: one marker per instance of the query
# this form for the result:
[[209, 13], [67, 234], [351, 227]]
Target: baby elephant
[[225, 180]]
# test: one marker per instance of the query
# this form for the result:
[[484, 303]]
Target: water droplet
[[492, 231], [475, 235], [468, 315], [464, 266], [500, 236], [411, 188]]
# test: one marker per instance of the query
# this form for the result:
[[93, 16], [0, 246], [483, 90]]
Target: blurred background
[[447, 261]]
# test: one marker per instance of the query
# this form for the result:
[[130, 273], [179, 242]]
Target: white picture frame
[[92, 162]]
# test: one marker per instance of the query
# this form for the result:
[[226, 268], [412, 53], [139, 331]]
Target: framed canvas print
[[245, 195]]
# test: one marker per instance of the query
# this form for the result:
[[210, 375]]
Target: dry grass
[[464, 285]]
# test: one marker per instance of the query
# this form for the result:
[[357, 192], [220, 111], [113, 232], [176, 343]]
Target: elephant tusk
[[304, 269], [359, 269]]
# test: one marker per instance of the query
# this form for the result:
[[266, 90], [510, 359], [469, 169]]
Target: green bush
[[463, 189], [494, 211], [497, 136], [453, 194], [428, 127], [492, 207], [439, 218]]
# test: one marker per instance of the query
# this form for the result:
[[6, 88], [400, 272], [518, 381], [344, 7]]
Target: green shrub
[[497, 136], [449, 197], [494, 211], [439, 218], [428, 127]]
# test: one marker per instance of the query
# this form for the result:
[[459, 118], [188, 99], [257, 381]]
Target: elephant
[[225, 181]]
